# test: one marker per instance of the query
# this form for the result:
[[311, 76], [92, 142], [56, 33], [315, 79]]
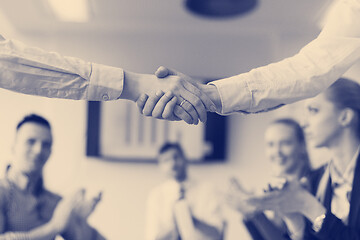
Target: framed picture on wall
[[117, 131]]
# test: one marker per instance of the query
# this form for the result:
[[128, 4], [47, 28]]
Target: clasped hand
[[183, 101]]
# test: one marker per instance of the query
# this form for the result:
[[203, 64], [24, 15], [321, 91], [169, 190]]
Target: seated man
[[25, 204], [180, 208]]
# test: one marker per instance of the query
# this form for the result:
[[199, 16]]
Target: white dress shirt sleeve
[[304, 75], [151, 221], [34, 71]]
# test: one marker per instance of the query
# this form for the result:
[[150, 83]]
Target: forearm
[[267, 229], [78, 228], [35, 71], [304, 75], [311, 208], [312, 70], [212, 92], [295, 224], [133, 83], [44, 232]]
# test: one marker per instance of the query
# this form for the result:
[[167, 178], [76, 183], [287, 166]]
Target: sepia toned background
[[140, 36]]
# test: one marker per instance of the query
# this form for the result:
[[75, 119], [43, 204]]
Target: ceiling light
[[220, 8], [71, 10]]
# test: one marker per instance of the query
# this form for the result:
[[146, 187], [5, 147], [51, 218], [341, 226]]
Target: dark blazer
[[333, 228]]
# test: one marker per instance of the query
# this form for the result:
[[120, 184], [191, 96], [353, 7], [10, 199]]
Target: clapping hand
[[87, 206], [64, 210], [290, 198], [76, 205], [237, 198]]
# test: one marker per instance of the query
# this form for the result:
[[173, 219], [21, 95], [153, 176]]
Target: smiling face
[[283, 148], [32, 147], [322, 124]]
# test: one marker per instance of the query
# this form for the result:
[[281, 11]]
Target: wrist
[[211, 91], [313, 209], [295, 224], [46, 231], [53, 228], [133, 82], [250, 215], [318, 222]]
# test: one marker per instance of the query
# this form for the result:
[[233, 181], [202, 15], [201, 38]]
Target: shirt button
[[105, 97]]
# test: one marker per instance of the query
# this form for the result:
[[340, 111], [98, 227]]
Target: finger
[[182, 114], [98, 197], [208, 103], [194, 106], [77, 198], [168, 112], [189, 108], [141, 102], [174, 72], [96, 200], [266, 197], [161, 104], [234, 182], [194, 100], [205, 100], [240, 187], [162, 72], [151, 102]]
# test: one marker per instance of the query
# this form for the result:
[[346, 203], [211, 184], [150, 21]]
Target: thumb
[[162, 72]]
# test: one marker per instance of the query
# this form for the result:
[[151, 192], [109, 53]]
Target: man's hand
[[87, 206], [74, 205], [166, 107], [208, 90], [187, 95], [64, 210], [171, 107]]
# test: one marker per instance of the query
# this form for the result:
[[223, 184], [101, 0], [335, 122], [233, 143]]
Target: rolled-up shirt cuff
[[330, 227], [234, 93], [106, 83]]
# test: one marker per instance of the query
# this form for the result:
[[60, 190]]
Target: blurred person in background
[[181, 208], [332, 122], [285, 147], [26, 205]]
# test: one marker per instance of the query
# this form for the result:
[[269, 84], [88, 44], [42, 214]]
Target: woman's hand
[[292, 198], [236, 198]]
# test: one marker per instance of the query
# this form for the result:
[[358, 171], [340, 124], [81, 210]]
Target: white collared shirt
[[342, 186], [304, 75], [34, 71], [201, 198]]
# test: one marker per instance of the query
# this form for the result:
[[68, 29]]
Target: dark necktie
[[182, 214]]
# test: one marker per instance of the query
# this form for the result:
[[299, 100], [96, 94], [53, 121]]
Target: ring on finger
[[183, 102]]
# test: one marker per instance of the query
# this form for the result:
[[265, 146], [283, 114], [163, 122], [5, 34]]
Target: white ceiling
[[166, 15]]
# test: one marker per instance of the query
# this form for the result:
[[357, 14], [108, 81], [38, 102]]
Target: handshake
[[171, 95]]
